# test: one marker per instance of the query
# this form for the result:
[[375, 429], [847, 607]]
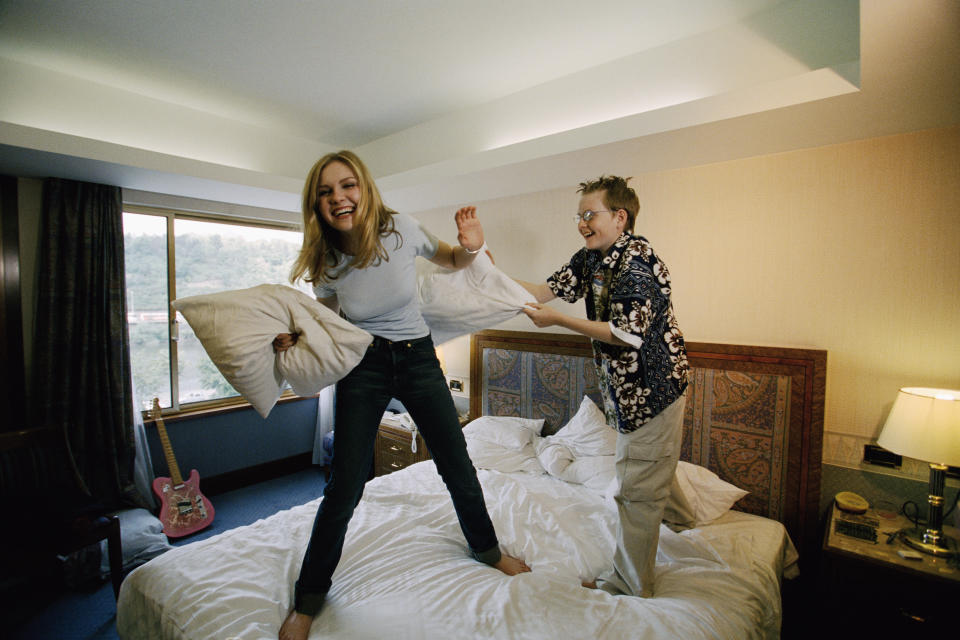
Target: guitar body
[[183, 509]]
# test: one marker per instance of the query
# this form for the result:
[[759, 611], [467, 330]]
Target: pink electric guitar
[[183, 509]]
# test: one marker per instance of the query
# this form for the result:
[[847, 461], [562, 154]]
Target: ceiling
[[453, 101]]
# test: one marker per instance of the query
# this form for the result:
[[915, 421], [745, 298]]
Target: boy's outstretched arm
[[547, 316], [544, 316], [540, 292]]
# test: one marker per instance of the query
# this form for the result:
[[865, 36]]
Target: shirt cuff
[[633, 340], [555, 288]]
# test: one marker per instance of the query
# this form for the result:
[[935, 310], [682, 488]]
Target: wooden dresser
[[393, 451]]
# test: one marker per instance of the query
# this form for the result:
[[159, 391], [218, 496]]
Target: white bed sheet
[[406, 573]]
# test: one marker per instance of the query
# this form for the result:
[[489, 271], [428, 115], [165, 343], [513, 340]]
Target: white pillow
[[490, 455], [699, 496], [237, 328], [593, 472], [455, 303], [555, 457], [506, 431], [582, 451], [141, 539], [587, 433]]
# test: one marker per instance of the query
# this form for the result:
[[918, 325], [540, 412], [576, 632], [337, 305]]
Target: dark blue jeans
[[409, 371]]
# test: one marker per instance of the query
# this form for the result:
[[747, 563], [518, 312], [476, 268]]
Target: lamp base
[[942, 545]]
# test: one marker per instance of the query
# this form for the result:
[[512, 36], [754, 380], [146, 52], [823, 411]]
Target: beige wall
[[853, 248]]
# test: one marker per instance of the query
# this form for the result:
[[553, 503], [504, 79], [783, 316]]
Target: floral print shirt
[[629, 287]]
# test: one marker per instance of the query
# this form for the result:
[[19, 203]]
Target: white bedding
[[405, 572]]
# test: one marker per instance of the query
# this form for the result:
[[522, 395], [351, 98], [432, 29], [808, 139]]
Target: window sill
[[217, 407]]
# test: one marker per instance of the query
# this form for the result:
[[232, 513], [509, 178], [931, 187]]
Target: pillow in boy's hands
[[237, 328], [455, 303]]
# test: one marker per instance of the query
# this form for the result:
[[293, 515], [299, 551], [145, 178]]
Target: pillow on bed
[[455, 303], [587, 433], [490, 455], [582, 451], [237, 328], [593, 472], [699, 496], [506, 431]]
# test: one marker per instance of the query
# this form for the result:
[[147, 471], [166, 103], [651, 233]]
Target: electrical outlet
[[456, 385]]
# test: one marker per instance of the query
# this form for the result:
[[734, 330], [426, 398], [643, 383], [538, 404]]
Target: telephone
[[403, 421]]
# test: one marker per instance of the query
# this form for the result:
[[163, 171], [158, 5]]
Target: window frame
[[176, 410]]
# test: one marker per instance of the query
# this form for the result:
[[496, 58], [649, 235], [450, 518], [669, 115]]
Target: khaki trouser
[[646, 463]]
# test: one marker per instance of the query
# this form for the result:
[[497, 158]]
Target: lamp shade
[[924, 424]]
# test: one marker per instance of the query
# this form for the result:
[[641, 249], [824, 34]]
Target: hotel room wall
[[853, 248]]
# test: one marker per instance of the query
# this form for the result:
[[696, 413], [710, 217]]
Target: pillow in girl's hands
[[237, 328], [455, 303]]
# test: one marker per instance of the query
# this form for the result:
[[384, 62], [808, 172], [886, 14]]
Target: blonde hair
[[374, 221], [617, 195]]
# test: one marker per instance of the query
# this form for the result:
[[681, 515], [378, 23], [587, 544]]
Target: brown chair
[[46, 515]]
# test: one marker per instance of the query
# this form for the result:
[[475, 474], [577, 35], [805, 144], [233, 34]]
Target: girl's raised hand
[[469, 229]]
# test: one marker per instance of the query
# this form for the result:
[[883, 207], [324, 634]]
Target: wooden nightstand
[[393, 451], [868, 587]]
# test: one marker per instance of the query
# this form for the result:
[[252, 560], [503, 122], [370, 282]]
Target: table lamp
[[925, 424]]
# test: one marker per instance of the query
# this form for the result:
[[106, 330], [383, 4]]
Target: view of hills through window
[[209, 256]]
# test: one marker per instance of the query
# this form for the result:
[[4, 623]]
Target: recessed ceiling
[[233, 100]]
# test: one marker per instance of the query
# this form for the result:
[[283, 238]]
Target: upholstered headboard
[[754, 415]]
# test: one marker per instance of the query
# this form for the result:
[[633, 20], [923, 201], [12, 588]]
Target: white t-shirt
[[382, 298]]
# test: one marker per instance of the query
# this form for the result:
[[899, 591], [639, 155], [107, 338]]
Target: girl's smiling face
[[338, 195]]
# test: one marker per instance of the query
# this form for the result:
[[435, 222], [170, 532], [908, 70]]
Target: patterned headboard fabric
[[754, 415]]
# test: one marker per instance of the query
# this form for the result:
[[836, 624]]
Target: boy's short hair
[[617, 196]]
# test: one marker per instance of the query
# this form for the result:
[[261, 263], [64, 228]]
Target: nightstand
[[393, 451], [867, 587]]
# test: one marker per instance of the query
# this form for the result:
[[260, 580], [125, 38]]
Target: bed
[[754, 421]]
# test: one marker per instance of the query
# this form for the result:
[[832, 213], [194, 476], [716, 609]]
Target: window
[[171, 255]]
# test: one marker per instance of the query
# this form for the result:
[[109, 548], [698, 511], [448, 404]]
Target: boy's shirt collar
[[613, 254]]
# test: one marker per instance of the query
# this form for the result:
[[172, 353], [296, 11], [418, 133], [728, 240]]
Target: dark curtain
[[81, 354]]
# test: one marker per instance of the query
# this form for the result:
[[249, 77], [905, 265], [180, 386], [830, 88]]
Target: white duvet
[[406, 573]]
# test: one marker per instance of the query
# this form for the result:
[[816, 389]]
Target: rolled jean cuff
[[309, 604], [491, 556]]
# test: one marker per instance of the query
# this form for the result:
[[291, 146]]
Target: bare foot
[[510, 565], [296, 626], [591, 584]]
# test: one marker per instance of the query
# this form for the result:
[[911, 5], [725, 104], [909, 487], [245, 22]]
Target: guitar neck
[[175, 476]]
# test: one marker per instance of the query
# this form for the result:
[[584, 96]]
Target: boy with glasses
[[641, 363]]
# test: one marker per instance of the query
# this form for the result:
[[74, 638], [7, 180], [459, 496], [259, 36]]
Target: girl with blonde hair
[[360, 257]]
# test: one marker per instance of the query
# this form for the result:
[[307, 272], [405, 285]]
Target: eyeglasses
[[588, 215]]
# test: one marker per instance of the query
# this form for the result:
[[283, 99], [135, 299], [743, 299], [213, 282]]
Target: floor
[[91, 614]]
